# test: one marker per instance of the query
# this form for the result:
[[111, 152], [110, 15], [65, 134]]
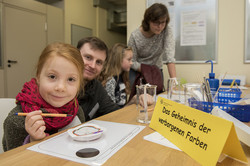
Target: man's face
[[93, 61]]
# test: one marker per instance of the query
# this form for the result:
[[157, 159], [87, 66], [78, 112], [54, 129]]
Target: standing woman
[[153, 41]]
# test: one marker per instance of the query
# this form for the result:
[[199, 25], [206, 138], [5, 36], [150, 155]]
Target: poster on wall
[[192, 2], [193, 28]]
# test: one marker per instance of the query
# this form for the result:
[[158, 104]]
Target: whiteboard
[[1, 52], [79, 32], [194, 23], [247, 32]]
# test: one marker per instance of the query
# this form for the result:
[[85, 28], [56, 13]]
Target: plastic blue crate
[[240, 112], [226, 100], [229, 92]]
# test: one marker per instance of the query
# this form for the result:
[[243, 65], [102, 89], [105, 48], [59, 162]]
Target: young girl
[[115, 76], [59, 78]]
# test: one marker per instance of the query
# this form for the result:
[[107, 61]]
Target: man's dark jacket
[[95, 101]]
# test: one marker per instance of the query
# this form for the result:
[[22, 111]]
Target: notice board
[[247, 32], [1, 52], [194, 23]]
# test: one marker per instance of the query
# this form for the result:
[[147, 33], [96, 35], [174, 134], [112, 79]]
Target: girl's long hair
[[113, 66]]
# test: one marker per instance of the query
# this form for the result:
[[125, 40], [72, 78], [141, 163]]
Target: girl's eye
[[52, 76], [72, 79]]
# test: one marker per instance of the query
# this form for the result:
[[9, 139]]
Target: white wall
[[230, 41], [109, 37], [82, 13], [135, 12]]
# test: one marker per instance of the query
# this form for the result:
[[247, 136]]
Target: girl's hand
[[150, 100], [35, 125]]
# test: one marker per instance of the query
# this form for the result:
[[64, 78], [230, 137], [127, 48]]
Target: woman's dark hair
[[154, 13]]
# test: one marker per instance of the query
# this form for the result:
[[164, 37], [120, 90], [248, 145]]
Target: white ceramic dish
[[86, 132]]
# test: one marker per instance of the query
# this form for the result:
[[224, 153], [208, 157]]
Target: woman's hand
[[35, 125]]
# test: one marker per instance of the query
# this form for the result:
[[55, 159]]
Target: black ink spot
[[87, 152]]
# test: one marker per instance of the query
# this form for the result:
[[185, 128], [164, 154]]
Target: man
[[95, 102]]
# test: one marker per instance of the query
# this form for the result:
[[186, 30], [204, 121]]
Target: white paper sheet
[[159, 139], [113, 139], [193, 28], [193, 2]]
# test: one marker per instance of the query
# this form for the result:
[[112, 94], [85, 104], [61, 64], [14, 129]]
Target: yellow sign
[[201, 135]]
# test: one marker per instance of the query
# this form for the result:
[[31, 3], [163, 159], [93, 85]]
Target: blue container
[[229, 92], [240, 112], [229, 82]]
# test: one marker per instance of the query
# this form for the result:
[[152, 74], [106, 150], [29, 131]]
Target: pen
[[44, 114], [232, 84]]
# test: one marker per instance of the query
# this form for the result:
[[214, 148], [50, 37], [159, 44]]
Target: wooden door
[[25, 38]]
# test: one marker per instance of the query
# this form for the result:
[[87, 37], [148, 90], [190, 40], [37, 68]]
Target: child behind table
[[115, 76], [59, 78]]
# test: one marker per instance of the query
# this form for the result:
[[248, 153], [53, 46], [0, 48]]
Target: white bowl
[[86, 132]]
